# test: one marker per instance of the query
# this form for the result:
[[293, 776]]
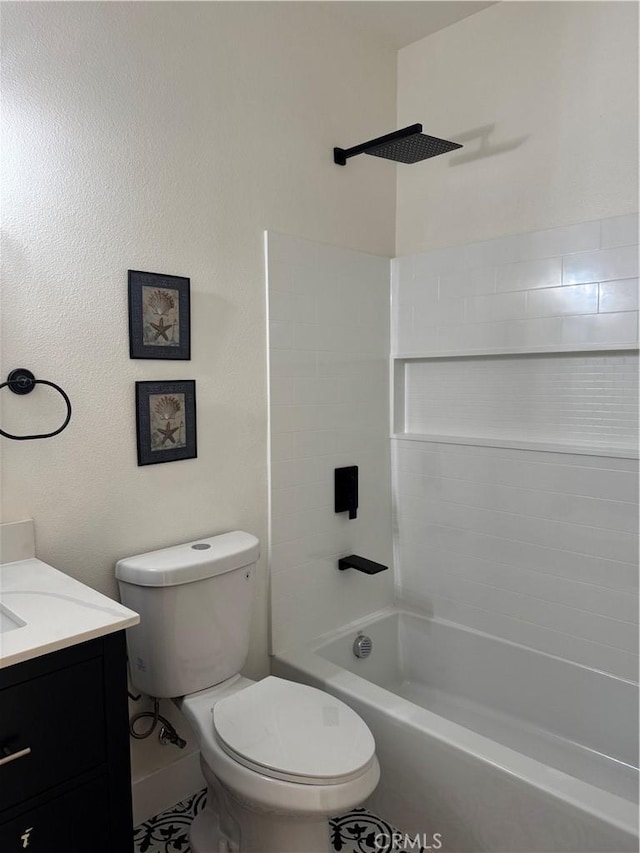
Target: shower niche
[[582, 402]]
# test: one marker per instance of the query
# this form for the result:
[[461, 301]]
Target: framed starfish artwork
[[159, 316], [166, 421]]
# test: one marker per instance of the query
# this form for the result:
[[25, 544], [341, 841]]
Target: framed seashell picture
[[159, 316], [166, 421]]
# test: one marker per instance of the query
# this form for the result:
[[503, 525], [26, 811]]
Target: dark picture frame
[[166, 421], [159, 316]]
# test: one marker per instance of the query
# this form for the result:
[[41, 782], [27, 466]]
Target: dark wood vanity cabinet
[[65, 776]]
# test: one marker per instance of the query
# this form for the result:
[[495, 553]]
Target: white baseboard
[[166, 786]]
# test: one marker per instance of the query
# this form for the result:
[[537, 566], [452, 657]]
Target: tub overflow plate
[[362, 646]]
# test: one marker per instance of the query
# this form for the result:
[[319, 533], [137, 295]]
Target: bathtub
[[488, 744]]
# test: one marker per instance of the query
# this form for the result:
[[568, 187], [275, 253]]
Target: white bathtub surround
[[328, 355], [537, 548], [493, 745], [586, 400], [516, 438], [568, 288]]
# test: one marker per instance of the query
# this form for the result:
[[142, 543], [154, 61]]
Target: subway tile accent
[[620, 231], [468, 283], [618, 295], [502, 306], [604, 265], [559, 301], [537, 548], [510, 293], [581, 399], [600, 329], [529, 274]]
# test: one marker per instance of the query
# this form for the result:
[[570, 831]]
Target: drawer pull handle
[[7, 759]]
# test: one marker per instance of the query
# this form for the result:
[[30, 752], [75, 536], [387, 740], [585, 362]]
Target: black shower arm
[[341, 155]]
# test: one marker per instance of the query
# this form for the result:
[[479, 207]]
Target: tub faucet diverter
[[361, 564]]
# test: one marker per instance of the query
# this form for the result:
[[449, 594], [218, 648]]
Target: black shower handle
[[346, 490]]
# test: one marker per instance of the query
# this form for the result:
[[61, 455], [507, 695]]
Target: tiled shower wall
[[569, 398], [567, 288], [328, 311], [534, 546]]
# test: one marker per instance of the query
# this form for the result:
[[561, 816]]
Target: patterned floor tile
[[169, 832], [359, 831]]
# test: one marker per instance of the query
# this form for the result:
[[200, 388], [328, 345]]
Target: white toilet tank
[[194, 602]]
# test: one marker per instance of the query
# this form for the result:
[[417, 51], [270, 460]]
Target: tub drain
[[362, 646]]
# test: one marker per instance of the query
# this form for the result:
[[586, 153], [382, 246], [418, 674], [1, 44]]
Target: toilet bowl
[[279, 757]]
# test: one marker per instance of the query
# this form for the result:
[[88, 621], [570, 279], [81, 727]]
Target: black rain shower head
[[409, 145]]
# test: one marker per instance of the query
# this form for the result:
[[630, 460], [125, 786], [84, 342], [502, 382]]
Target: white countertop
[[57, 611]]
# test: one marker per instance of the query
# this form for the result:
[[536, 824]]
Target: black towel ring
[[22, 381]]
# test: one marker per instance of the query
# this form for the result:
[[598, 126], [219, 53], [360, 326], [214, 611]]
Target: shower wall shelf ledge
[[577, 402], [547, 350], [517, 444]]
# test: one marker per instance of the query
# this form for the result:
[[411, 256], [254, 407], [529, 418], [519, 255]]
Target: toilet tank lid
[[193, 561]]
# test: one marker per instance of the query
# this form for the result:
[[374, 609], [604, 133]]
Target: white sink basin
[[50, 610], [9, 621]]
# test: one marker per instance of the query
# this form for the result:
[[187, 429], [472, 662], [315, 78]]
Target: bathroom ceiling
[[401, 22]]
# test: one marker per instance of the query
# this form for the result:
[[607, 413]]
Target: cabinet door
[[77, 822], [52, 728]]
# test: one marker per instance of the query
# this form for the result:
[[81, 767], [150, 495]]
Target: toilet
[[279, 757]]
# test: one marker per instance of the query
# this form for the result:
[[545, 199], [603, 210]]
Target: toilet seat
[[256, 787], [293, 732]]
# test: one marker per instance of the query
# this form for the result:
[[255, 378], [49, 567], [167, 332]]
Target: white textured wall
[[544, 97], [329, 396], [166, 137]]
